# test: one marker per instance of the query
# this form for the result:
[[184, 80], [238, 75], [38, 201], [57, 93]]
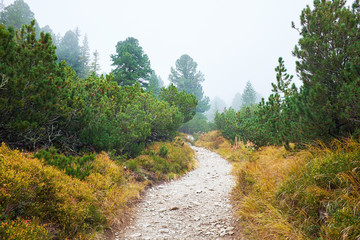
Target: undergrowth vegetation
[[47, 195], [287, 194], [163, 161]]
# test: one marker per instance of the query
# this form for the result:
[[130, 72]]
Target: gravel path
[[196, 206]]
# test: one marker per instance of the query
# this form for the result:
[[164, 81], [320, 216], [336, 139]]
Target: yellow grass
[[258, 175], [54, 202]]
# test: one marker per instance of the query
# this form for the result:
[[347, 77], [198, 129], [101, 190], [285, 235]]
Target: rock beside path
[[196, 206]]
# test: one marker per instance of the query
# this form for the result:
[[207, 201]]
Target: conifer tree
[[155, 84], [237, 102], [85, 58], [217, 105], [328, 53], [131, 63], [32, 102], [95, 64], [185, 76], [18, 14], [69, 51], [249, 95]]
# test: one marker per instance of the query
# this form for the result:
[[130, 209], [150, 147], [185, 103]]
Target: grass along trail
[[196, 206]]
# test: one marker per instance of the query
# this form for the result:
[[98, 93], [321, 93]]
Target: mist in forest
[[232, 41]]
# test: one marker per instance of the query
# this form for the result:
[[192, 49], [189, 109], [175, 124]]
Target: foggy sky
[[233, 41]]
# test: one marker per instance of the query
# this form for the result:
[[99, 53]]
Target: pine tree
[[85, 58], [155, 84], [95, 65], [69, 51], [249, 95], [328, 64], [18, 14], [237, 102], [186, 77], [131, 63], [217, 105], [32, 105]]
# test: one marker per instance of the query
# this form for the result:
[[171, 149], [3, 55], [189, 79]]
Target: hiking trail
[[196, 206]]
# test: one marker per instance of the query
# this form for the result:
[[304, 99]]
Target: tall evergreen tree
[[95, 64], [217, 105], [237, 102], [131, 63], [186, 77], [155, 83], [18, 14], [69, 51], [85, 58], [249, 95], [329, 67]]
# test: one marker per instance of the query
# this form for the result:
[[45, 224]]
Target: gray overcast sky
[[233, 41]]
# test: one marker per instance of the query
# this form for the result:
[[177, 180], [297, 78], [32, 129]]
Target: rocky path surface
[[196, 206]]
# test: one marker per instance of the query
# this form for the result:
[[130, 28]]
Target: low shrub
[[62, 205], [171, 160], [31, 190], [163, 151], [21, 229], [78, 167]]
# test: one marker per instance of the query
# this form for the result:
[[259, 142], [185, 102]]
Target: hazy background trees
[[249, 95], [324, 107], [185, 76], [18, 14], [216, 105], [155, 83], [237, 101]]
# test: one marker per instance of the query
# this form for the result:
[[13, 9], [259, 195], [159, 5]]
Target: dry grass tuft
[[312, 194], [258, 174]]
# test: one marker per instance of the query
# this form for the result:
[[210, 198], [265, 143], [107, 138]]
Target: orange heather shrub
[[45, 194]]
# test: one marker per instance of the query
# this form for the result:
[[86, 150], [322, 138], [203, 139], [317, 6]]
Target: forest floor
[[197, 206]]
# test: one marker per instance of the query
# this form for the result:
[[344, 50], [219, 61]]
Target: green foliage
[[198, 124], [79, 167], [325, 107], [328, 64], [44, 104], [185, 102], [171, 159], [33, 101], [85, 58], [131, 63], [163, 151], [226, 123], [186, 78], [155, 84]]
